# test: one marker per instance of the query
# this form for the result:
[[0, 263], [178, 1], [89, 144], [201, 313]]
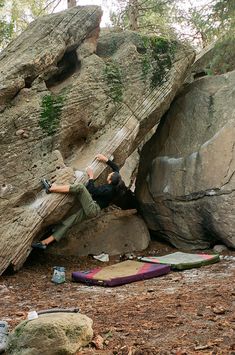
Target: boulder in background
[[186, 181]]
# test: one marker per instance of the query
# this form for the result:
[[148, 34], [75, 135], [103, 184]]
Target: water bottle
[[58, 275]]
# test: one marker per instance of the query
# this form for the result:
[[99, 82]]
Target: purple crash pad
[[121, 273]]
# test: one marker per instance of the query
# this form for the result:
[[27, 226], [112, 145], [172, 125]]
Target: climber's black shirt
[[103, 194]]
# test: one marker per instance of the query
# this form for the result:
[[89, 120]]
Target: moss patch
[[51, 108], [18, 331], [158, 59], [113, 78]]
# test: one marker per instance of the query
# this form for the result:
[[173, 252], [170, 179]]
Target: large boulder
[[113, 232], [51, 334], [216, 58], [64, 101], [186, 182], [45, 43]]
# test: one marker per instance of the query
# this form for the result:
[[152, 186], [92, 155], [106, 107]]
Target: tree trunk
[[133, 14], [71, 3]]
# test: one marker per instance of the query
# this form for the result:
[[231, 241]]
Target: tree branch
[[49, 4], [56, 5]]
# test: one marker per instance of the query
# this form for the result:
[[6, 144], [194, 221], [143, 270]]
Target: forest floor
[[186, 312]]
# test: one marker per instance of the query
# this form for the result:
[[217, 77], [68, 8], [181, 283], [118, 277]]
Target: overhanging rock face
[[61, 104]]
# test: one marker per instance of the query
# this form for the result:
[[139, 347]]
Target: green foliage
[[113, 78], [6, 31], [51, 108], [207, 22], [147, 16], [158, 59], [223, 58], [16, 15], [223, 13], [5, 27], [119, 17], [194, 21], [146, 66]]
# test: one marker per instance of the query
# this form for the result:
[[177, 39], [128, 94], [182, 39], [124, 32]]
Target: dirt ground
[[186, 312]]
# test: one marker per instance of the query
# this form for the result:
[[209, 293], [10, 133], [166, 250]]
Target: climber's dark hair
[[115, 178], [123, 197], [119, 185]]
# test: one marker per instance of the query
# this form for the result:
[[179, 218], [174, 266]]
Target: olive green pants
[[89, 209]]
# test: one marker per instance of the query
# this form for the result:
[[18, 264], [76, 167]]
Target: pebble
[[219, 248], [22, 133], [19, 132], [219, 310], [228, 257]]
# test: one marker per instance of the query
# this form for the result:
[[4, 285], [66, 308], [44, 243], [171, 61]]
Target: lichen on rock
[[51, 334]]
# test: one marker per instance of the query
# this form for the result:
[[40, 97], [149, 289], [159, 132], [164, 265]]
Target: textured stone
[[51, 334], [67, 29], [56, 88], [202, 63], [215, 58], [220, 248], [114, 232], [186, 182]]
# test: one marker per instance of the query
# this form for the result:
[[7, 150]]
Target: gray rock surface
[[21, 63], [51, 334], [220, 248], [216, 58], [203, 61], [114, 232], [186, 181], [61, 105]]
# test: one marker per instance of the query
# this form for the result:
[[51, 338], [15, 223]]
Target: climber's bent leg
[[89, 209], [61, 229], [89, 206]]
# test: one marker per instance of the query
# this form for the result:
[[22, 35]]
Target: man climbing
[[91, 198]]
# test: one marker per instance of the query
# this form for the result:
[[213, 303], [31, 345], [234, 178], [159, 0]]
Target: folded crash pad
[[121, 273], [182, 261]]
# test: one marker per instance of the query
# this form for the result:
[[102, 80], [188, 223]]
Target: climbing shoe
[[39, 245], [46, 184], [3, 336]]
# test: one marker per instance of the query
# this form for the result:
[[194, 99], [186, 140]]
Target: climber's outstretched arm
[[59, 188], [104, 159]]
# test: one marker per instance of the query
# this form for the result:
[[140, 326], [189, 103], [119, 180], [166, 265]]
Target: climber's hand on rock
[[101, 157], [90, 172]]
